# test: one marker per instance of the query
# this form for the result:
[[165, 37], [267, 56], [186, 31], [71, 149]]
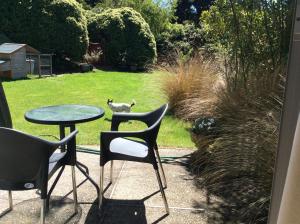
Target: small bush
[[125, 37], [190, 87]]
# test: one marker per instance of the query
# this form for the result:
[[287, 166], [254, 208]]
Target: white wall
[[18, 63], [290, 204]]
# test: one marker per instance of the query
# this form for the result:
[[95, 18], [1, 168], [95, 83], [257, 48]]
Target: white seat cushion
[[128, 147]]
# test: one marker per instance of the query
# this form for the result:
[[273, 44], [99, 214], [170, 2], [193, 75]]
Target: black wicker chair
[[5, 118], [28, 162], [115, 145]]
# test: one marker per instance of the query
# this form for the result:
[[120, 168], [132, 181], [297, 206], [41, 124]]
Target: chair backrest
[[23, 160], [154, 119], [5, 118]]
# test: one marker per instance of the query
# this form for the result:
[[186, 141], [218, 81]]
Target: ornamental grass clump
[[237, 163], [190, 87]]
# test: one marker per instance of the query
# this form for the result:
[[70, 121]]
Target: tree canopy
[[191, 10], [156, 16]]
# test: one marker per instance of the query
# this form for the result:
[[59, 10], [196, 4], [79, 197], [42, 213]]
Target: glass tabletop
[[64, 114]]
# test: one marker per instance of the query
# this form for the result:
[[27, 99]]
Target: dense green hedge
[[125, 37], [57, 26], [154, 13]]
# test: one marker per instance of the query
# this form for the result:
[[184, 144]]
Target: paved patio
[[133, 197]]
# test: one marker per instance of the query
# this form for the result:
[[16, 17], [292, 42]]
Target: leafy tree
[[254, 35], [190, 10], [92, 2], [125, 37]]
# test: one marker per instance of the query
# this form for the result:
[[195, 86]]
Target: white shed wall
[[18, 63]]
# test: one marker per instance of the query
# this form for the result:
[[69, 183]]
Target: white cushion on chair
[[128, 147]]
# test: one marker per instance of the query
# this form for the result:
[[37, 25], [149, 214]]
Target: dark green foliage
[[190, 10], [125, 37], [57, 26], [92, 2], [184, 39], [84, 4], [4, 39]]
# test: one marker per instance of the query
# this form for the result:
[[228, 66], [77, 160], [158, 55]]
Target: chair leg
[[101, 187], [161, 167], [162, 191], [10, 200], [43, 211], [74, 189], [111, 171]]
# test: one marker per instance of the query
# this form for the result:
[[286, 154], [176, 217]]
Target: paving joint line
[[158, 206], [117, 180], [176, 208]]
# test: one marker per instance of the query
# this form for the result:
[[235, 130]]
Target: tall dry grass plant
[[236, 161], [191, 86], [238, 164]]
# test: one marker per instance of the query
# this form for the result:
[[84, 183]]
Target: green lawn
[[94, 89]]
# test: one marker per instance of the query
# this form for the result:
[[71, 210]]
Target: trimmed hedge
[[57, 26], [126, 38]]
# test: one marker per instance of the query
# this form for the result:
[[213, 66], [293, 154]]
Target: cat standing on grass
[[120, 107]]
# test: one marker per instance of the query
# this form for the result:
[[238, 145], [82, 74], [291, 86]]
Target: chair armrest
[[66, 139], [118, 118], [108, 136]]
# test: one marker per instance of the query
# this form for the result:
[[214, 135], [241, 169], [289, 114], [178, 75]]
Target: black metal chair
[[116, 145], [28, 162]]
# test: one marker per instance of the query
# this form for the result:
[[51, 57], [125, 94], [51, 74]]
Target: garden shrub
[[184, 39], [125, 38], [57, 26]]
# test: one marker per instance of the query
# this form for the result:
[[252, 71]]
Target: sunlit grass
[[94, 89]]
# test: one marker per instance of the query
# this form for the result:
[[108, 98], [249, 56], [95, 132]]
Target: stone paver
[[133, 197]]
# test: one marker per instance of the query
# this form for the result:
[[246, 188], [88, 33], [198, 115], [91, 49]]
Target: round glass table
[[67, 116]]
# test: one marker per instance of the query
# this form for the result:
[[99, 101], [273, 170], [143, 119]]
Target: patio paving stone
[[132, 198]]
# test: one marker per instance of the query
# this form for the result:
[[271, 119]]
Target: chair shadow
[[107, 119], [115, 211], [28, 211]]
